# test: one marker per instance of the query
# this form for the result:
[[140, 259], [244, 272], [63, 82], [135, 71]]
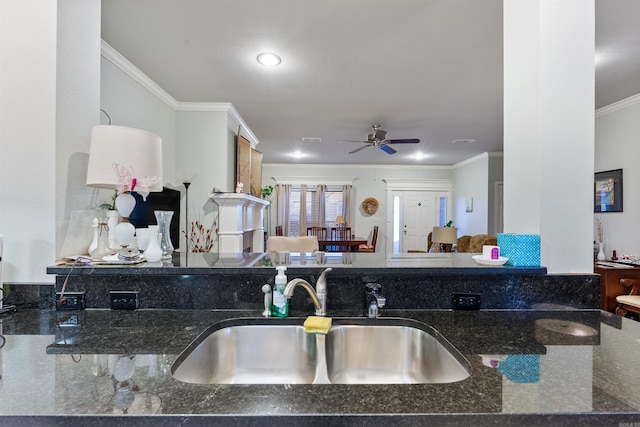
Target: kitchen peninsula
[[540, 350]]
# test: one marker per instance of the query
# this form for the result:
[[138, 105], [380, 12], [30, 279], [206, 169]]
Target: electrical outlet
[[124, 300], [462, 301], [70, 301]]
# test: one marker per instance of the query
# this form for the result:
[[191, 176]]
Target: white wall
[[471, 179], [617, 133], [27, 138], [204, 150]]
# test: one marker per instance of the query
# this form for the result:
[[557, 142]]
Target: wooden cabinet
[[610, 286]]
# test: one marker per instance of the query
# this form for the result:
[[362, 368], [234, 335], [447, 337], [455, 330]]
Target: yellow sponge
[[317, 325]]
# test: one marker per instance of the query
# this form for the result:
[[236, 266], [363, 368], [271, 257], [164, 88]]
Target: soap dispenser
[[280, 306]]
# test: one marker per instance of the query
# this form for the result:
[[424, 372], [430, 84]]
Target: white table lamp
[[443, 236]]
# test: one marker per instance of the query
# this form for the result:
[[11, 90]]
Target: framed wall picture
[[256, 173], [243, 166], [608, 191]]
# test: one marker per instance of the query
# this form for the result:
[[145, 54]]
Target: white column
[[27, 137], [548, 127]]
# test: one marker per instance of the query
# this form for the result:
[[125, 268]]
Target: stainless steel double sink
[[355, 351]]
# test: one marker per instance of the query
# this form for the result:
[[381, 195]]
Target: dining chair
[[340, 236], [629, 302], [370, 247], [319, 232]]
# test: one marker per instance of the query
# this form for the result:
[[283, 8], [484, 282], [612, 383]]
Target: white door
[[419, 217]]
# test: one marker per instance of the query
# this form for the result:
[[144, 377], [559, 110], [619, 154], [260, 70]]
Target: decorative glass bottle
[[164, 222], [101, 248]]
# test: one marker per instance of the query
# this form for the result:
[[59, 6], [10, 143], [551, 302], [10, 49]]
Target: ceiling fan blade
[[358, 149], [386, 149], [403, 141]]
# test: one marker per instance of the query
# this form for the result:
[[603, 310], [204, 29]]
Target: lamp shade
[[447, 235], [138, 151], [340, 220]]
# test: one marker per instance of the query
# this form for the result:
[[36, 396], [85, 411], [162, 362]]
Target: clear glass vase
[[164, 239]]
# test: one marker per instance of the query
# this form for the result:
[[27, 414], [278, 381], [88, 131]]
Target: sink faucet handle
[[373, 288], [321, 284]]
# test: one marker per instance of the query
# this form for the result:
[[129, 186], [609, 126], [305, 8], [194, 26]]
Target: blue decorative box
[[522, 250]]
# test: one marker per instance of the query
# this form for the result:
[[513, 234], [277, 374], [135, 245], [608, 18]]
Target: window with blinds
[[332, 208]]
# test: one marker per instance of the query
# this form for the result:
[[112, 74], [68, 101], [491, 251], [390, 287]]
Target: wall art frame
[[607, 189]]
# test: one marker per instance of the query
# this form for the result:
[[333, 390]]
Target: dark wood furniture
[[610, 286], [340, 241], [278, 230], [319, 232], [342, 237], [370, 247], [630, 302]]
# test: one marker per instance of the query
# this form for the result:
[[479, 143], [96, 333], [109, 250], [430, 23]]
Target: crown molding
[[113, 56], [480, 156], [123, 64], [327, 180], [324, 166], [409, 184], [627, 102], [220, 107]]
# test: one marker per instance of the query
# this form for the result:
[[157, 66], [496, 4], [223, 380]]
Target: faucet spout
[[288, 292], [318, 296]]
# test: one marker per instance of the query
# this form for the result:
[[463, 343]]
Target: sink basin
[[249, 354], [391, 354], [355, 351]]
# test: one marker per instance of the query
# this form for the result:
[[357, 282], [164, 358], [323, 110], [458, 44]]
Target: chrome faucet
[[318, 296], [375, 300]]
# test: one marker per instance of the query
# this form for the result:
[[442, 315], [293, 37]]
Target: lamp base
[[129, 254]]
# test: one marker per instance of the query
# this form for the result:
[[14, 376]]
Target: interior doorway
[[416, 207]]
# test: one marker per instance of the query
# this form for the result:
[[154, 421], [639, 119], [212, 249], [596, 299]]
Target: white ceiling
[[427, 69]]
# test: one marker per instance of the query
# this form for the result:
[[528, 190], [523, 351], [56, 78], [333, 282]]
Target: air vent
[[463, 141], [311, 139]]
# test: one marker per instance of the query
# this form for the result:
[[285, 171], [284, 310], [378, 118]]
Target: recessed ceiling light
[[269, 59], [297, 154]]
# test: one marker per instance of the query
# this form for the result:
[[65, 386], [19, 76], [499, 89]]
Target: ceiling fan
[[378, 139]]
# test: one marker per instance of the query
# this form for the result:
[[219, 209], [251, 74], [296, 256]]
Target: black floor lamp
[[186, 181]]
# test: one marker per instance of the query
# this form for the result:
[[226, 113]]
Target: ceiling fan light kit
[[378, 139]]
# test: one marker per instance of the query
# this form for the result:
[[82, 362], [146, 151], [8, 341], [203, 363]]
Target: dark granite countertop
[[526, 369], [424, 264]]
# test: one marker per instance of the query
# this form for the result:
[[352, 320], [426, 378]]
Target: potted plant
[[265, 192]]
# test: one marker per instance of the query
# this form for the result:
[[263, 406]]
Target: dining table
[[329, 244]]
